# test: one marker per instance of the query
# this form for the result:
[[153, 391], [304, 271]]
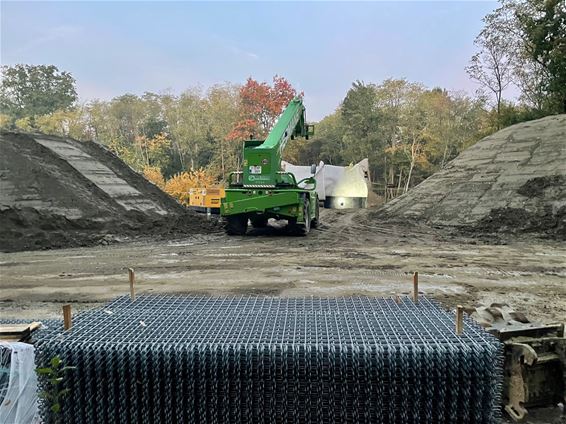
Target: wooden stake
[[416, 287], [132, 277], [459, 319], [397, 298], [67, 319]]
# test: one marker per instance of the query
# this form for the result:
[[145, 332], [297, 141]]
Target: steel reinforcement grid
[[187, 359]]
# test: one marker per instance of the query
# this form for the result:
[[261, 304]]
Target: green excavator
[[261, 190]]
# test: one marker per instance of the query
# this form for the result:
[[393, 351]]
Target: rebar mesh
[[259, 359], [5, 361]]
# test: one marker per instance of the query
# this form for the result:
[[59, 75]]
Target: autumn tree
[[69, 123], [179, 185], [260, 106], [153, 152], [153, 174]]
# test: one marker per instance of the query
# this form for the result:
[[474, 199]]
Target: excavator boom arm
[[262, 160]]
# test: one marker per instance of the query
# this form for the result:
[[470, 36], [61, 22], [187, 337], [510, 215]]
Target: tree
[[543, 23], [180, 184], [4, 120], [529, 38], [68, 123], [492, 66], [361, 118], [393, 96], [326, 145], [186, 117], [29, 91], [260, 106], [153, 174], [154, 152], [222, 109]]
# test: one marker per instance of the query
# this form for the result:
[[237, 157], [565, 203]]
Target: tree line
[[523, 44], [408, 131]]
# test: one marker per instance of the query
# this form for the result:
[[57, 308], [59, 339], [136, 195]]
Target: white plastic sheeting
[[335, 181], [301, 172], [19, 405]]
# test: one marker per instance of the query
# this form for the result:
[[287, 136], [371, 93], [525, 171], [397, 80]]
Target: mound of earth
[[513, 181], [59, 192]]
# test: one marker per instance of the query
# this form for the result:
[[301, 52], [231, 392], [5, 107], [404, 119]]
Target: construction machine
[[206, 200], [261, 190]]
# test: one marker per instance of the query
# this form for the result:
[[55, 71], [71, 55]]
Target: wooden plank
[[14, 328], [132, 278], [67, 318], [16, 332], [459, 319], [416, 287]]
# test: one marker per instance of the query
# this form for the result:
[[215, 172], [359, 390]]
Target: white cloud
[[240, 52], [49, 36]]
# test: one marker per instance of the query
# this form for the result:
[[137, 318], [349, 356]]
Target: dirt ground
[[350, 254]]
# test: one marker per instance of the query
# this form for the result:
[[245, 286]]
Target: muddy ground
[[351, 254]]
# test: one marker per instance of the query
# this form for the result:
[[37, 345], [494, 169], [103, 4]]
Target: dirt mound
[[58, 192], [513, 181]]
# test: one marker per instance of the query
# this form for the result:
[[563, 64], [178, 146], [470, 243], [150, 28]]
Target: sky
[[112, 48]]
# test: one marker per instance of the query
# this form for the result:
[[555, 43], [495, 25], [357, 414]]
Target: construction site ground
[[350, 254]]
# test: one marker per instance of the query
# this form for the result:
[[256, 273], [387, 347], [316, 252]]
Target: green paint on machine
[[262, 191]]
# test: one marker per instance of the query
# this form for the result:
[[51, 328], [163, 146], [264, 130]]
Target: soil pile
[[513, 181], [59, 192]]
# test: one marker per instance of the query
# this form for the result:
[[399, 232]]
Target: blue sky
[[322, 47]]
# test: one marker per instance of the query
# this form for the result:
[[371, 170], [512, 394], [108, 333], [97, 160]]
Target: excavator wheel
[[304, 228], [259, 221], [316, 220], [236, 225]]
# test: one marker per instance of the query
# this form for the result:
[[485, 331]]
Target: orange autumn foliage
[[260, 106], [153, 174], [179, 185]]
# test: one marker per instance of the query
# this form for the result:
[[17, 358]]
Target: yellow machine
[[206, 199]]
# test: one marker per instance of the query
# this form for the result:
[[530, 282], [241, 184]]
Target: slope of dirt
[[58, 192], [513, 181]]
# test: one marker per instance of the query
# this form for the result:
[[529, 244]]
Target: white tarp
[[19, 406], [335, 181], [301, 172]]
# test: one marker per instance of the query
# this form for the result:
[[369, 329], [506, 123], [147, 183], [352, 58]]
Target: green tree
[[326, 145], [524, 41], [29, 91], [188, 126], [543, 23], [393, 96], [68, 123], [361, 119], [222, 111], [407, 131]]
